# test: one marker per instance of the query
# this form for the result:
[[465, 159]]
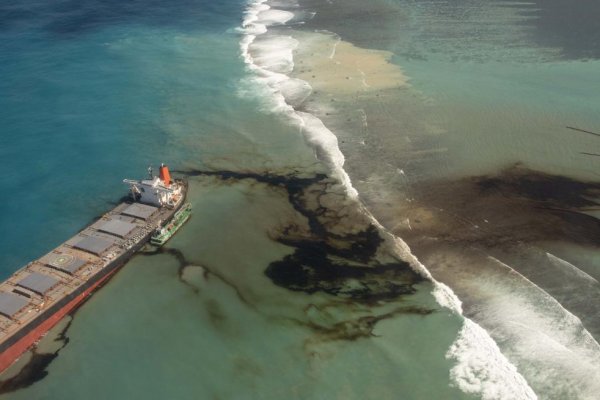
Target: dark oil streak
[[292, 184], [563, 210], [583, 130], [341, 265], [513, 207], [36, 369], [554, 190], [310, 268], [184, 263], [364, 244], [360, 328]]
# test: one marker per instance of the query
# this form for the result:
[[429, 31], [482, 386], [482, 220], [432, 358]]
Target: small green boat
[[162, 235]]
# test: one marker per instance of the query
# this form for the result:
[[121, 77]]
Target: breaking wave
[[480, 366], [546, 338], [482, 369], [270, 58], [568, 266]]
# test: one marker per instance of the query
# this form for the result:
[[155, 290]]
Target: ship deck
[[46, 281]]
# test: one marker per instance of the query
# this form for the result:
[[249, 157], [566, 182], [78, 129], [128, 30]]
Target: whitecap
[[482, 369], [272, 17]]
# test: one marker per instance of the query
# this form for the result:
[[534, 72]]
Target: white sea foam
[[560, 356], [272, 17], [274, 53], [295, 91], [567, 265], [270, 57], [326, 145], [481, 368], [337, 42], [446, 297], [565, 327]]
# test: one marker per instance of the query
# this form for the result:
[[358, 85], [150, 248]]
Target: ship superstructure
[[159, 191], [38, 295]]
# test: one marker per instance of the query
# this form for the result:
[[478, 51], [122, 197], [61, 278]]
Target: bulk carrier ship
[[39, 295]]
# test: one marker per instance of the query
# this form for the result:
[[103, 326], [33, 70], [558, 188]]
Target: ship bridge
[[157, 191]]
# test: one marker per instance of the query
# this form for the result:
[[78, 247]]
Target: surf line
[[271, 68], [551, 300], [576, 270], [475, 371]]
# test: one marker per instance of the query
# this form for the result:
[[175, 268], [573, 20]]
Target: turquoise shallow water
[[495, 114], [97, 91], [87, 91]]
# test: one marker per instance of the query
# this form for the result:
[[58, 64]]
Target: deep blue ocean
[[82, 97]]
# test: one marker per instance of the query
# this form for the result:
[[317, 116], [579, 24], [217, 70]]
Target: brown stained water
[[468, 153], [203, 316]]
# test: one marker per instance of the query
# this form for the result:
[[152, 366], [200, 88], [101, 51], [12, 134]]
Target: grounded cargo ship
[[40, 294]]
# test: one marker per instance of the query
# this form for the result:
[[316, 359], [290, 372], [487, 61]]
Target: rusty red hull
[[11, 354]]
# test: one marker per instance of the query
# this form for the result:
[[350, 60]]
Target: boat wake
[[480, 367]]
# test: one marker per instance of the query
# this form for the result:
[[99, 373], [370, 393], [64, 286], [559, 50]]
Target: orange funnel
[[164, 175]]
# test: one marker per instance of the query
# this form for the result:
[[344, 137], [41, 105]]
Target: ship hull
[[19, 343], [29, 338]]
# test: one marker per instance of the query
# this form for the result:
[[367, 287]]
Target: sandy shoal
[[334, 66]]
